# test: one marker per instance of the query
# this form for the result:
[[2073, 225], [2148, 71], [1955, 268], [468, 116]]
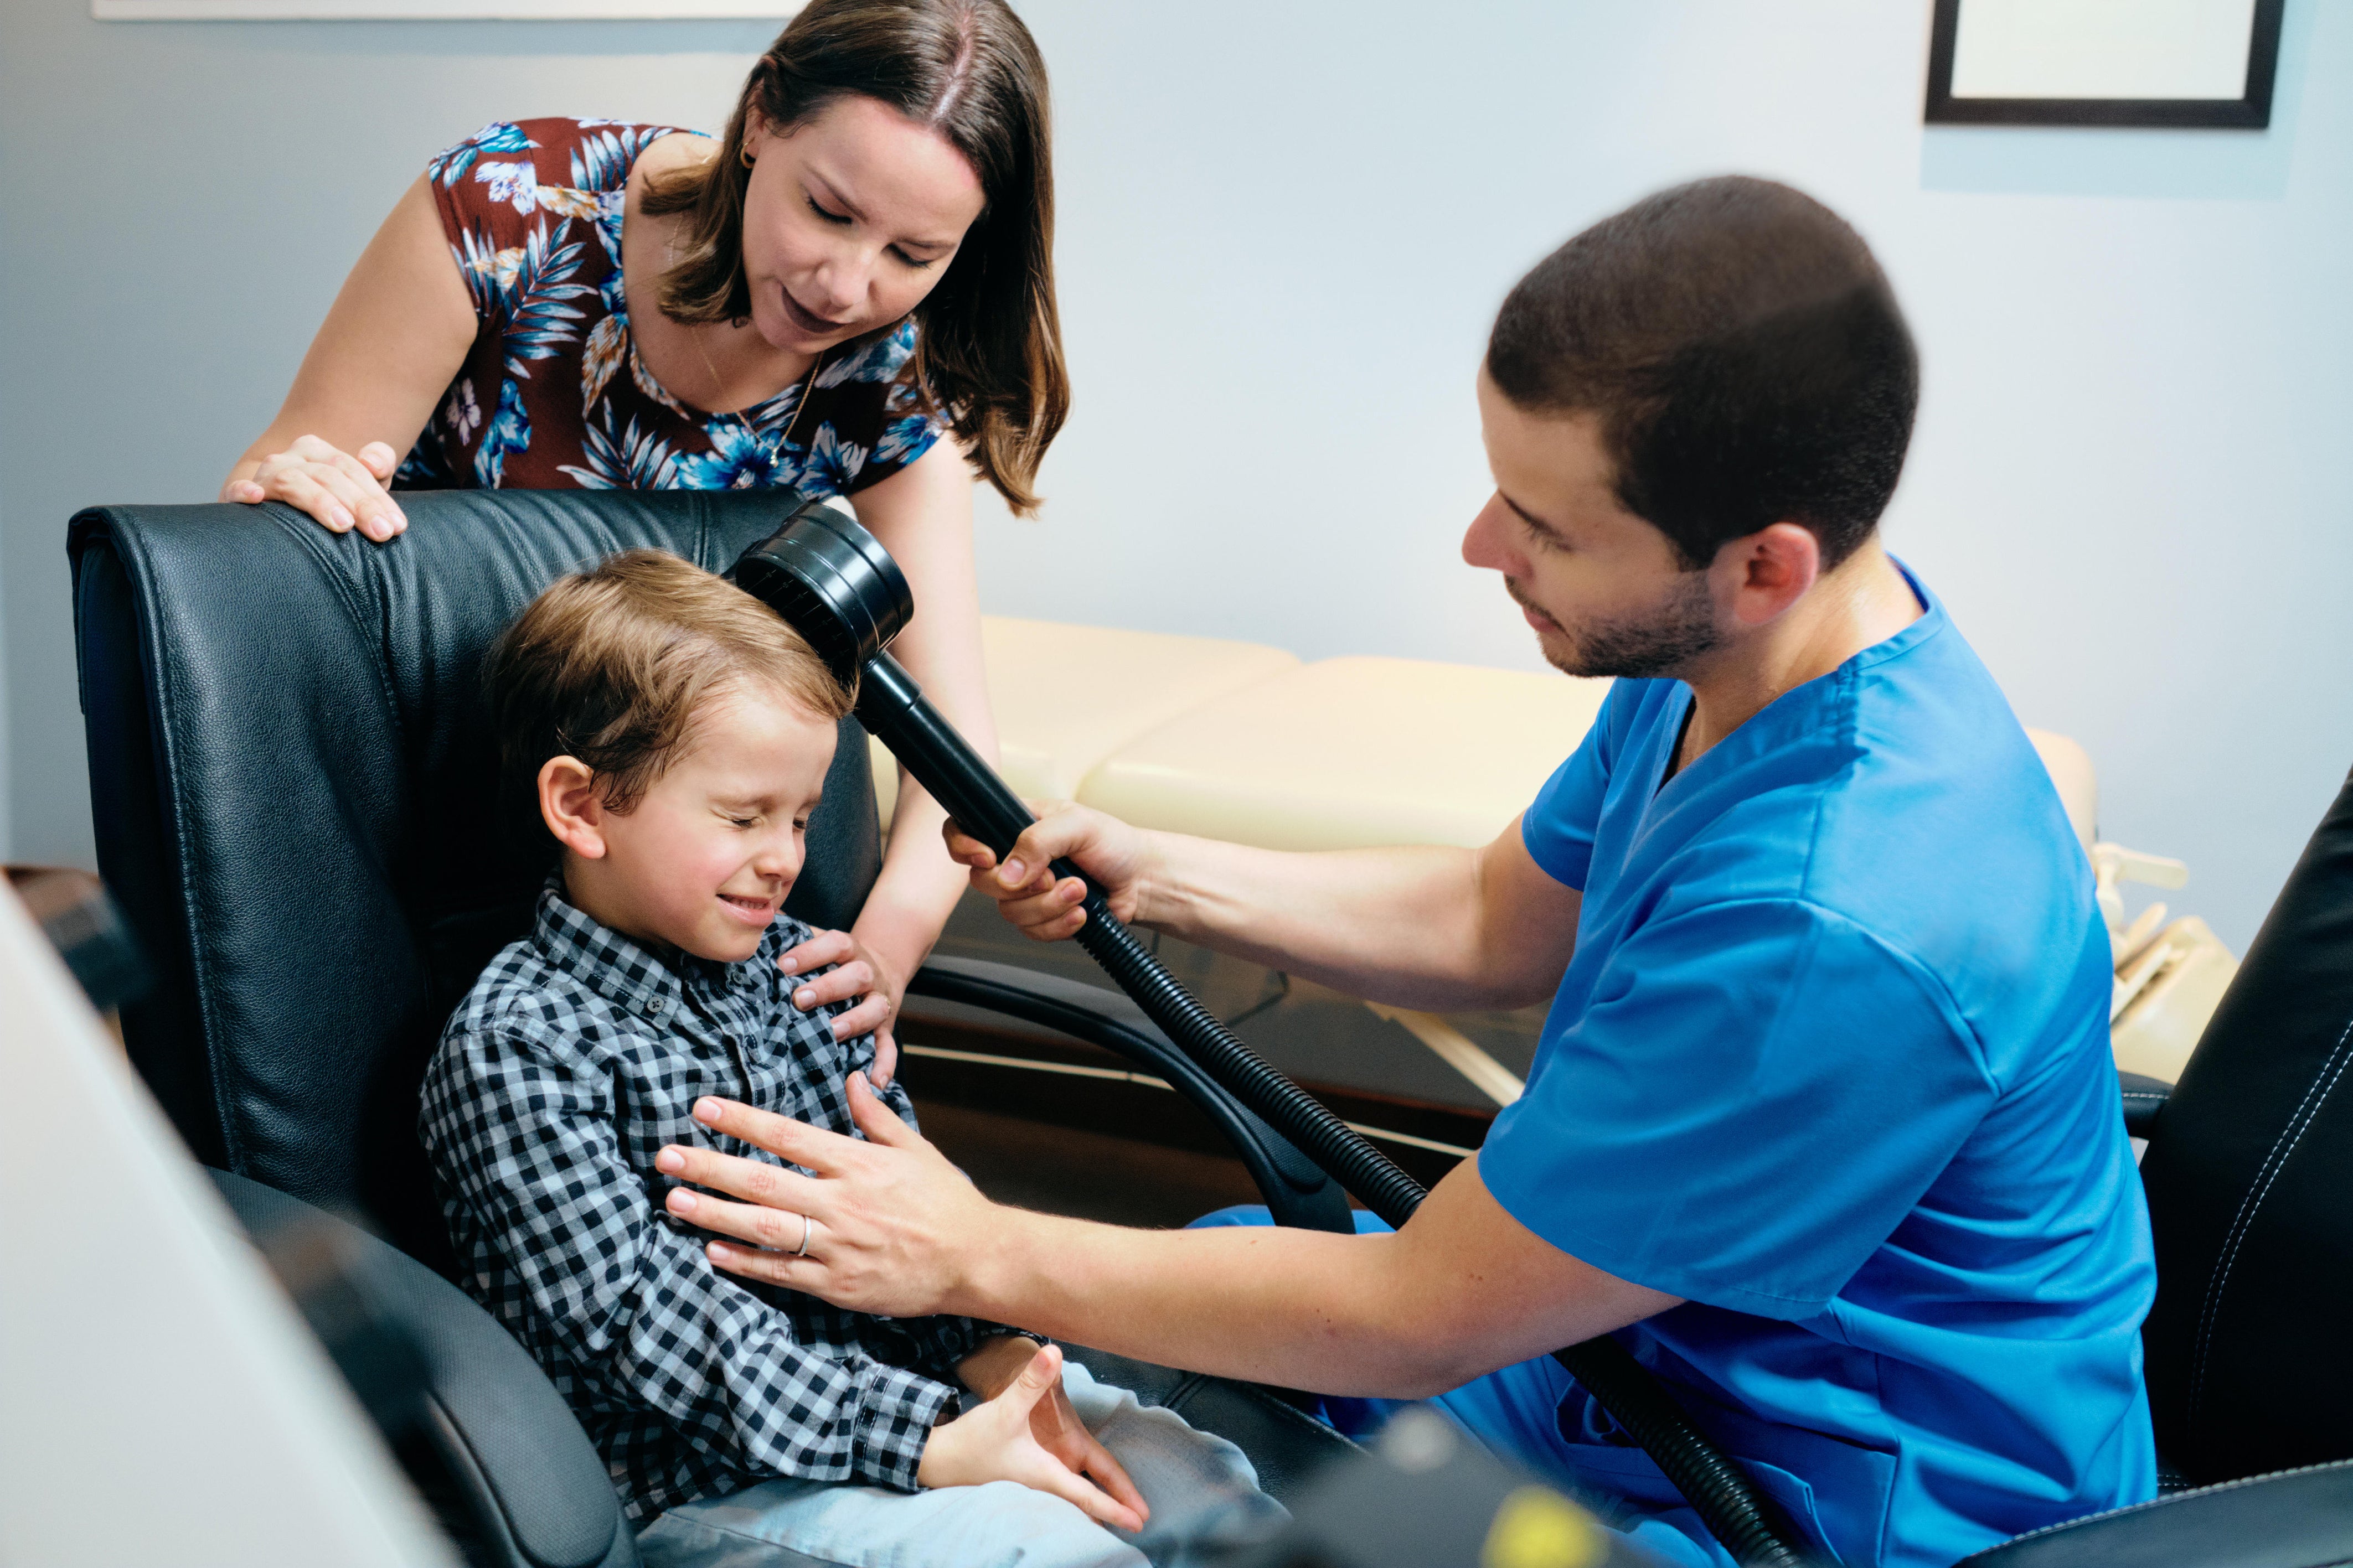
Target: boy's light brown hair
[[613, 665]]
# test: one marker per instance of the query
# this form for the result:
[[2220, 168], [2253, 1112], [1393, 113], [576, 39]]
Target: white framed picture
[[2185, 63], [437, 10]]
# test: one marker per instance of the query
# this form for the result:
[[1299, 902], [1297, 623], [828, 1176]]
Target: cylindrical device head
[[832, 582]]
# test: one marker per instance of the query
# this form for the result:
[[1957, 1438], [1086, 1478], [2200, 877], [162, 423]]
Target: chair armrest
[[2290, 1519], [1294, 1188], [2144, 1097], [512, 1476]]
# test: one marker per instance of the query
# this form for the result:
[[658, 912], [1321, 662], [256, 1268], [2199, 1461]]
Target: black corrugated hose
[[891, 706]]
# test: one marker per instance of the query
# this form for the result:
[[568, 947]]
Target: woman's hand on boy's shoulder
[[850, 971]]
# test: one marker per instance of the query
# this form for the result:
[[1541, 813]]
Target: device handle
[[893, 707]]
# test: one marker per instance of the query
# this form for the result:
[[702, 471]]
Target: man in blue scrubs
[[1823, 1124]]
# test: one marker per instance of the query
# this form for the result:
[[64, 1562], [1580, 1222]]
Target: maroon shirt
[[554, 395]]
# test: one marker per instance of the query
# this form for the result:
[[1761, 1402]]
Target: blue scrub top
[[1831, 1063]]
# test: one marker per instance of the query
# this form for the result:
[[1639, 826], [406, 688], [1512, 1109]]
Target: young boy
[[677, 734]]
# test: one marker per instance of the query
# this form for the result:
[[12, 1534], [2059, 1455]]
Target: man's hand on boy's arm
[[997, 1363], [1000, 1442]]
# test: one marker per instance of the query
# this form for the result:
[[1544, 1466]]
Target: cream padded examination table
[[1244, 742], [1067, 697]]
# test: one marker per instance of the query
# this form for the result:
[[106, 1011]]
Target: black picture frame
[[2250, 111]]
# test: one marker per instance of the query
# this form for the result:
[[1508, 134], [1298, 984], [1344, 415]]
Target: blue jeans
[[1514, 1412], [1203, 1493]]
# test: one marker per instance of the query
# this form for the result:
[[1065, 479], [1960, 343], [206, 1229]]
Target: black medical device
[[833, 584]]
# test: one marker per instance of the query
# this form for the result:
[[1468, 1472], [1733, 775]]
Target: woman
[[862, 263]]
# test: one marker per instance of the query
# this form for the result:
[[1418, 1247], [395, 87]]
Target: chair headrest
[[297, 799]]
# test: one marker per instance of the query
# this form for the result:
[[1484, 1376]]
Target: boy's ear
[[568, 804]]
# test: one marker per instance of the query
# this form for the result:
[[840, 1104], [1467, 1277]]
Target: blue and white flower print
[[534, 212], [515, 184], [426, 466], [498, 136], [631, 460], [462, 414], [879, 360], [600, 356], [830, 464], [602, 162], [773, 416], [610, 206], [509, 431], [904, 440], [541, 317], [741, 458], [489, 271]]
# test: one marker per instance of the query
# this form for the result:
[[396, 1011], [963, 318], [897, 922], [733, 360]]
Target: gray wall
[[1285, 227]]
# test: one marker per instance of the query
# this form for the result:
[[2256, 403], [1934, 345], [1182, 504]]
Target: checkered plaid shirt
[[576, 1056]]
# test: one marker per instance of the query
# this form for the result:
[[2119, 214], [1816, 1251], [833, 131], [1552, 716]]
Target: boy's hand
[[993, 1368], [995, 1443]]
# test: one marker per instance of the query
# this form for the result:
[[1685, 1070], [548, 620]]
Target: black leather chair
[[2250, 1180], [296, 803]]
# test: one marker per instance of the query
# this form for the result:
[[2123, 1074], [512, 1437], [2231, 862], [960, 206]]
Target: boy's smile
[[704, 858], [755, 912]]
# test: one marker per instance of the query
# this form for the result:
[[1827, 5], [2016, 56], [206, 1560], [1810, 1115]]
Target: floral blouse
[[554, 395]]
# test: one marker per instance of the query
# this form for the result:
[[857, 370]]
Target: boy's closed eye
[[739, 817]]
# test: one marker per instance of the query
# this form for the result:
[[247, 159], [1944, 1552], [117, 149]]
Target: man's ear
[[570, 805], [1767, 571]]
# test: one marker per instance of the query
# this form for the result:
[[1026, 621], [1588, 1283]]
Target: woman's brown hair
[[988, 355]]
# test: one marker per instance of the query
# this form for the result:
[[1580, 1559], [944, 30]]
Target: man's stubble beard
[[1640, 647]]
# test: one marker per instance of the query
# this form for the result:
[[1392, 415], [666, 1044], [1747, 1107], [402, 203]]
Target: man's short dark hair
[[1744, 352]]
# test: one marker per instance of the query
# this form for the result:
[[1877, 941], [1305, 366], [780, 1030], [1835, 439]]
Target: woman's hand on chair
[[858, 972], [341, 489], [1115, 858]]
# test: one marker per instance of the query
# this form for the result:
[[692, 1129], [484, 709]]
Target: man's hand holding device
[[1046, 909]]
